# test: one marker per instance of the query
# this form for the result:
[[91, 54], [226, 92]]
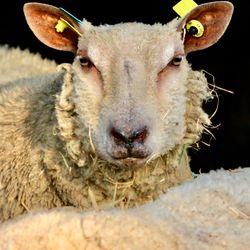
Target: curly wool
[[210, 212], [14, 64]]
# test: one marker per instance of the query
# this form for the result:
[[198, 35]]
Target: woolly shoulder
[[210, 212], [16, 64]]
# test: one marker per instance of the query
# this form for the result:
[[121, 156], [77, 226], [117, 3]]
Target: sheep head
[[130, 80]]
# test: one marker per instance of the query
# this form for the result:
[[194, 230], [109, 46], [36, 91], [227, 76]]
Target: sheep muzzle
[[128, 146]]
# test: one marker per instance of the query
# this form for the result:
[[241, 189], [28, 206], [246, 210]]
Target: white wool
[[20, 66], [210, 212]]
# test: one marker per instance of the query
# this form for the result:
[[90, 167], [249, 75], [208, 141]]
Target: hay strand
[[239, 213], [65, 162]]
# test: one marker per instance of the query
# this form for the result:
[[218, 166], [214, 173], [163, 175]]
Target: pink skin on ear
[[42, 19], [215, 17]]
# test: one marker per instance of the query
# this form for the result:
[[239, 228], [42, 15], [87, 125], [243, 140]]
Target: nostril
[[140, 135], [117, 136], [128, 140]]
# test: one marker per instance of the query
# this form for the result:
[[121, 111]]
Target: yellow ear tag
[[60, 26], [184, 6], [193, 27]]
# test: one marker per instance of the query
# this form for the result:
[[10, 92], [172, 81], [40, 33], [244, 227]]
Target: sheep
[[113, 128], [211, 212], [29, 64]]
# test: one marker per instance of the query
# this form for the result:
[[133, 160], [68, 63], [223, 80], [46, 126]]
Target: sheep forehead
[[131, 39]]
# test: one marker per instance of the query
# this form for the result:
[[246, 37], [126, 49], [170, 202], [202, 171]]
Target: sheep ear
[[42, 20], [214, 16]]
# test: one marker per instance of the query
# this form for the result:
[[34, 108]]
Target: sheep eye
[[176, 61], [85, 62]]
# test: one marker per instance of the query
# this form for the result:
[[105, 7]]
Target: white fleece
[[210, 212]]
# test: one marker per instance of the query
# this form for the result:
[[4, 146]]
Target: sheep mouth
[[131, 162], [127, 158]]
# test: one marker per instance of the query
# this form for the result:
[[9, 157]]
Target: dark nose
[[129, 139]]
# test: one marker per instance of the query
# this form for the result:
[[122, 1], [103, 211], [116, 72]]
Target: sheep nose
[[129, 139]]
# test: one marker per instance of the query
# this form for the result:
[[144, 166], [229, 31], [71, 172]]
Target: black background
[[228, 61]]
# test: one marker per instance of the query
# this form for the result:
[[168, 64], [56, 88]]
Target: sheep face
[[130, 79], [130, 90]]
